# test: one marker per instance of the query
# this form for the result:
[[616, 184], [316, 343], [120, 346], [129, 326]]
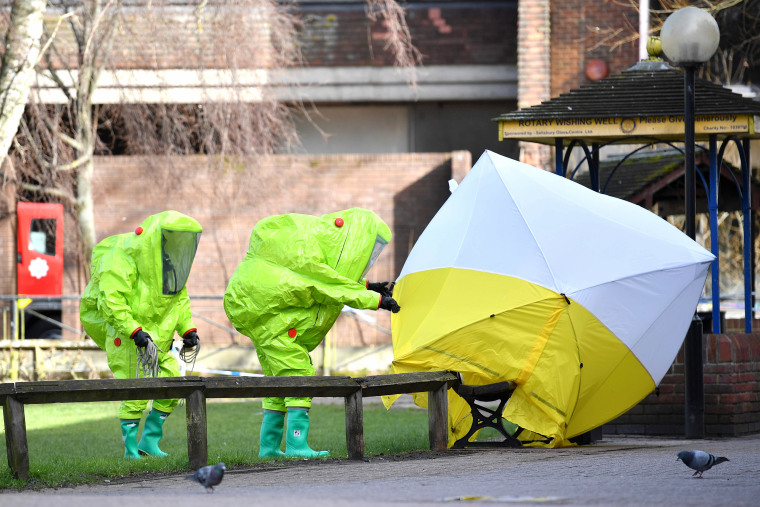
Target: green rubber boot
[[129, 429], [298, 431], [271, 434], [152, 433]]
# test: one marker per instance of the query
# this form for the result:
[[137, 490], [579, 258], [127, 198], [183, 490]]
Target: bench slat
[[74, 391], [256, 387], [404, 383]]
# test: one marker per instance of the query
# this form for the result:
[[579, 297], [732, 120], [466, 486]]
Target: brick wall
[[338, 34], [176, 37], [229, 196], [737, 325], [534, 34], [579, 31], [556, 39], [445, 34], [731, 369]]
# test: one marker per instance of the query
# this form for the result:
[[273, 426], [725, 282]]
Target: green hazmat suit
[[299, 272], [138, 282]]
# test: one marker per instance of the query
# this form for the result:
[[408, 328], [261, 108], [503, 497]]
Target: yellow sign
[[621, 127]]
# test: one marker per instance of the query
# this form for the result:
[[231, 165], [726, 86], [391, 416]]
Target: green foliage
[[77, 443]]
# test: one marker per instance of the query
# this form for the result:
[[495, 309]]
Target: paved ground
[[617, 471]]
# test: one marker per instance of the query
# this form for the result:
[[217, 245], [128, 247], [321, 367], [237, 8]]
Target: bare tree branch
[[42, 189], [58, 23], [738, 56], [399, 40], [76, 163]]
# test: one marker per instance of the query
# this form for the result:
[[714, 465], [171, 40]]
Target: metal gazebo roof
[[647, 100]]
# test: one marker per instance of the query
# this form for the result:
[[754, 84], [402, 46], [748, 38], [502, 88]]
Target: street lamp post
[[690, 37]]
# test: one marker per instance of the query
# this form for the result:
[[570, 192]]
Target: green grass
[[75, 443]]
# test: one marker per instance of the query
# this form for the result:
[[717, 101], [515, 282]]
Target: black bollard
[[694, 387]]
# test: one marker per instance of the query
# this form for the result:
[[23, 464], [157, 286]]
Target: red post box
[[40, 249]]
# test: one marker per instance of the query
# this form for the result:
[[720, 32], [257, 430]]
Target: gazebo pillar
[[712, 206], [748, 245]]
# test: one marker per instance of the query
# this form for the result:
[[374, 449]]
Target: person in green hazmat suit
[[134, 303], [299, 272]]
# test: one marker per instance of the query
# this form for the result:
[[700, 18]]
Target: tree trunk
[[86, 139], [86, 212], [22, 48], [86, 124]]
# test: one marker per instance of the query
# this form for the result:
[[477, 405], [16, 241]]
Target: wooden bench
[[196, 390]]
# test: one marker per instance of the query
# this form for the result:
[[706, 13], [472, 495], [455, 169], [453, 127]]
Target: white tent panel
[[631, 306], [510, 218], [590, 238], [661, 342], [480, 228]]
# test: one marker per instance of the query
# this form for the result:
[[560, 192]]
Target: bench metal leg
[[355, 425], [438, 418], [15, 438], [197, 442], [485, 417]]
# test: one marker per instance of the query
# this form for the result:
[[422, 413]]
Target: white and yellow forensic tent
[[581, 298]]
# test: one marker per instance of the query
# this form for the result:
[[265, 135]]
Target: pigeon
[[209, 476], [699, 461]]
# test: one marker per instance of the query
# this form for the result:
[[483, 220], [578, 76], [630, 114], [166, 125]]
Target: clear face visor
[[379, 245], [177, 254]]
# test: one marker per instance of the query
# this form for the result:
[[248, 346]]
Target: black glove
[[141, 338], [381, 288], [190, 339], [388, 303]]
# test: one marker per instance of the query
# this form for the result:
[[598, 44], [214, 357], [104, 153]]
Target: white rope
[[188, 355], [147, 360]]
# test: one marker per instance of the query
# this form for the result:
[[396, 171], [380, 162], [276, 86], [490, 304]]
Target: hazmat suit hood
[[299, 272], [165, 249], [353, 247], [139, 279]]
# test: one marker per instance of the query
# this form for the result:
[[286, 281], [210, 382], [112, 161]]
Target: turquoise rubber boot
[[129, 429], [152, 433], [298, 432], [271, 434]]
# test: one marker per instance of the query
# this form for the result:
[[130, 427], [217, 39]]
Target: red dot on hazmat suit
[[292, 332], [139, 231], [339, 222]]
